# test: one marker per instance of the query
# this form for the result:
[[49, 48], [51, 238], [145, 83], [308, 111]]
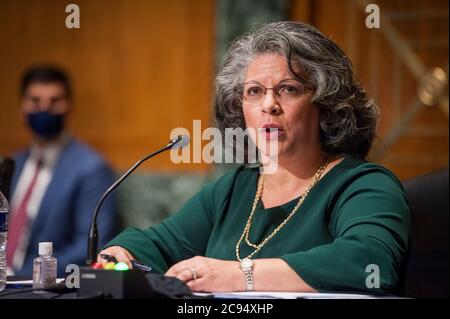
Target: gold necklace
[[259, 190]]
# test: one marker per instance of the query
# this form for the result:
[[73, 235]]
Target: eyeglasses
[[287, 92]]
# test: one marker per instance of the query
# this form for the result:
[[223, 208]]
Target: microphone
[[6, 173], [176, 143]]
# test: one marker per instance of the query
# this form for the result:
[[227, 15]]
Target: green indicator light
[[121, 267]]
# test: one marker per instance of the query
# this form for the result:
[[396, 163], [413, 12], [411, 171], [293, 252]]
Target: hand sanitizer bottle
[[44, 267]]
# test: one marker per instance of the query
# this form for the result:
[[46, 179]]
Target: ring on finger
[[193, 272]]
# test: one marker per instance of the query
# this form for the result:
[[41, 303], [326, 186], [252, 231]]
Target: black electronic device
[[130, 284], [134, 283]]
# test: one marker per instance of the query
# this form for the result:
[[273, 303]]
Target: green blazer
[[350, 234]]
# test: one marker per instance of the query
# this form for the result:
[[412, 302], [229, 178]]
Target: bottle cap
[[45, 249]]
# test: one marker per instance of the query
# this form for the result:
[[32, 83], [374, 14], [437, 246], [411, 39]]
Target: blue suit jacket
[[79, 179]]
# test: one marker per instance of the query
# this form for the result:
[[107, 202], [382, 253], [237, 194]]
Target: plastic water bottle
[[4, 209]]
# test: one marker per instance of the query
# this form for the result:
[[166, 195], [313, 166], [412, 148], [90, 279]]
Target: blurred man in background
[[57, 181]]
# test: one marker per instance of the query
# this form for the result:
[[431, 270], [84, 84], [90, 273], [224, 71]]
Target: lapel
[[54, 191]]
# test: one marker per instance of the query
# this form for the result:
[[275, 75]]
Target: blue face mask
[[45, 124]]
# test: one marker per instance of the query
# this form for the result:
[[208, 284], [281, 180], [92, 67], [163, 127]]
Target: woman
[[325, 220]]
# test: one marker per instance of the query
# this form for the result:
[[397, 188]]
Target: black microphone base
[[100, 283]]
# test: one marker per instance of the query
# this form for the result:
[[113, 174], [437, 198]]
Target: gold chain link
[[245, 233]]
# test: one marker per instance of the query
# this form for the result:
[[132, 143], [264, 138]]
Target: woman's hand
[[121, 254], [209, 274]]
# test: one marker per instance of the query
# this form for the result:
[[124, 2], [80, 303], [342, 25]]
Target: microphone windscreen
[[183, 140]]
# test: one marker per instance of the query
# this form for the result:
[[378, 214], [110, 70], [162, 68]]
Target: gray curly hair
[[348, 117]]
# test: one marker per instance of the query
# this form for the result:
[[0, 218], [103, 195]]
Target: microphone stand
[[6, 172], [93, 230]]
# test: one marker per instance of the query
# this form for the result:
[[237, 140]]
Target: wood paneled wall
[[139, 68], [424, 24], [142, 67]]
